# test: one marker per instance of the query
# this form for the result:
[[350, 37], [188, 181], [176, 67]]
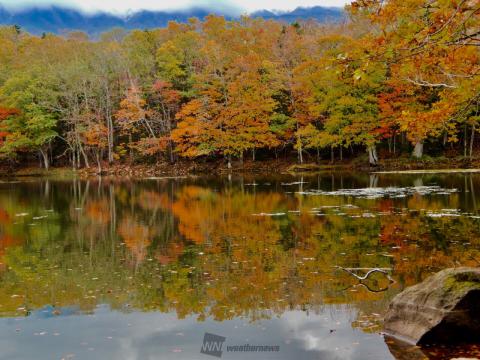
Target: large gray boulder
[[444, 308]]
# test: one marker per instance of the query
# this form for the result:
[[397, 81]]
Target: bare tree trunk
[[99, 162], [45, 159], [110, 139], [49, 153], [418, 150], [79, 158], [109, 123], [170, 152], [372, 155], [130, 149], [472, 138], [85, 157], [300, 155]]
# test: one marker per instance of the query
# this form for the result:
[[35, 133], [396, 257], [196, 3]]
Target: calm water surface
[[111, 269]]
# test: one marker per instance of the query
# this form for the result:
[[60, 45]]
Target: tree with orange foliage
[[431, 46], [5, 113], [95, 137], [245, 122], [196, 133], [167, 101], [132, 114], [226, 88]]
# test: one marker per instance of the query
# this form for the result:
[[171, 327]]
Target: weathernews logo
[[213, 345]]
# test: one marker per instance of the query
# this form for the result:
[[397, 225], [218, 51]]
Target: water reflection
[[109, 335], [225, 251]]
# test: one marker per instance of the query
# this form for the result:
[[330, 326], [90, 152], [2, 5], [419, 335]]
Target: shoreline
[[429, 171], [281, 166]]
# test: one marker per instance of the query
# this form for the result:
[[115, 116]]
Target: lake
[[265, 265]]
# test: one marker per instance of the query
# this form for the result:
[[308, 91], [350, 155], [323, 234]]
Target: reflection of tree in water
[[200, 250], [137, 238]]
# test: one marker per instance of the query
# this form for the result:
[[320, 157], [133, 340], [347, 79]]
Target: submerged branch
[[370, 271]]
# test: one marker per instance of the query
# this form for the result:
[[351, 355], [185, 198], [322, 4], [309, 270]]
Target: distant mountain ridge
[[55, 19]]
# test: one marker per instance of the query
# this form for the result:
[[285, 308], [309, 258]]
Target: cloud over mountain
[[57, 19], [125, 6]]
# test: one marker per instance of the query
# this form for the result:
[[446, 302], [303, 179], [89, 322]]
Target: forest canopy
[[395, 71]]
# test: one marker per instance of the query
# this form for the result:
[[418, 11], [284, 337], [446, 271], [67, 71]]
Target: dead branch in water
[[370, 271]]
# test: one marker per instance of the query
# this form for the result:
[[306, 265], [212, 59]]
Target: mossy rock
[[444, 308]]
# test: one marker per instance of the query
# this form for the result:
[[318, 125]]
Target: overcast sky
[[122, 6]]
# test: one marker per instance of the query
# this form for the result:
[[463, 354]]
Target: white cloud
[[132, 5]]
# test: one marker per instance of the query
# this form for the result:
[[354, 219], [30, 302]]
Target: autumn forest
[[394, 77]]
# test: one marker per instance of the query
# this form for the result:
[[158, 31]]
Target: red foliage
[[5, 113]]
